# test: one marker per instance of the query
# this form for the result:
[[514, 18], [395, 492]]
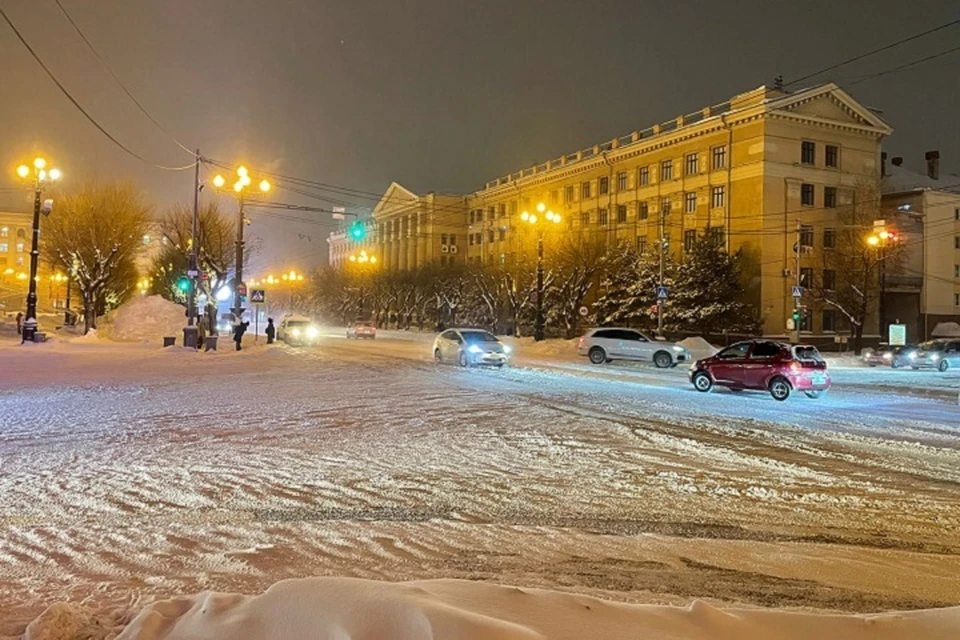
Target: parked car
[[939, 354], [362, 330], [889, 356], [469, 347], [298, 330], [764, 365], [612, 343]]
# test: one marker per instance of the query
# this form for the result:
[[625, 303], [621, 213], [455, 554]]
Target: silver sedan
[[468, 347]]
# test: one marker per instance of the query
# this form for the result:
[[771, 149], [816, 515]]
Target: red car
[[766, 366]]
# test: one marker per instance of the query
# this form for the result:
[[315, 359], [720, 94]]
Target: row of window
[[829, 237], [808, 196], [5, 247], [808, 154], [5, 232]]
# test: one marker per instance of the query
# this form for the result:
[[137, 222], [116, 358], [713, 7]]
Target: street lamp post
[[291, 279], [533, 219], [243, 181], [40, 177], [363, 260], [880, 242]]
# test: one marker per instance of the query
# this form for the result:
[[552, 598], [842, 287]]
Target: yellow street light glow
[[245, 180], [55, 174], [8, 272], [238, 187], [556, 218], [524, 216], [873, 240], [533, 219], [264, 186], [373, 259], [218, 181], [39, 163], [242, 171], [42, 175], [884, 235], [23, 171], [541, 207], [353, 258]]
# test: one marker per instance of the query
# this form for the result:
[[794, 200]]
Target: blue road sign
[[258, 296], [798, 292], [662, 293]]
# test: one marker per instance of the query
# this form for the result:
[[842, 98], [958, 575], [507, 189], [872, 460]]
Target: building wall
[[417, 231], [342, 245]]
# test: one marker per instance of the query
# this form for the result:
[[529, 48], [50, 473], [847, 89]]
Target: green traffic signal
[[358, 231], [183, 284]]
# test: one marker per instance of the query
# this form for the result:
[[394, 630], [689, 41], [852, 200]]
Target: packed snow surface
[[144, 319]]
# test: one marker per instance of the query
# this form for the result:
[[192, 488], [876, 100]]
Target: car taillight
[[581, 341]]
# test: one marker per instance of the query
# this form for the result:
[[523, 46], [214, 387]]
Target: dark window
[[604, 185], [555, 197], [956, 214], [585, 190], [666, 170], [717, 197], [443, 238], [956, 242], [605, 333], [735, 352], [622, 181], [829, 279], [502, 209], [689, 240], [832, 156], [693, 164], [829, 320], [665, 207], [690, 202], [471, 239], [829, 197], [644, 210], [644, 176], [806, 277], [765, 350], [585, 218], [806, 236], [602, 217], [642, 244], [808, 152], [719, 157], [806, 195], [491, 213], [716, 236], [503, 234], [568, 194], [472, 214], [621, 213], [453, 239], [829, 238], [490, 235]]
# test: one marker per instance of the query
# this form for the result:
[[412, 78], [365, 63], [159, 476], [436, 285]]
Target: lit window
[[693, 164], [666, 170], [716, 197], [19, 247], [5, 231], [690, 202], [719, 157], [622, 181], [644, 177], [4, 247]]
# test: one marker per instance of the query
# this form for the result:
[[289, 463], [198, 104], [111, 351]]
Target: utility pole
[[884, 333], [539, 321], [797, 313], [190, 331], [660, 303], [238, 268]]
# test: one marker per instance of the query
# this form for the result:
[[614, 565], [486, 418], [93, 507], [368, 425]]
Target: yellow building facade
[[759, 172], [414, 231]]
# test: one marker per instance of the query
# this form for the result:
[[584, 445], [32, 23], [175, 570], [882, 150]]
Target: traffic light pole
[[190, 332], [539, 320], [238, 268], [797, 314], [661, 302]]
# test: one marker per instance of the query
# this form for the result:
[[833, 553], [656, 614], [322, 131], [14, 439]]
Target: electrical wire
[[120, 84], [80, 108], [904, 67]]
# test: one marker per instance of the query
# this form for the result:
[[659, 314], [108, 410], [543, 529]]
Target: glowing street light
[[532, 219]]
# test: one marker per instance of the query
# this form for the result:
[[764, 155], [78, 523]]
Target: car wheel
[[871, 365], [598, 355], [437, 357], [662, 359], [780, 389], [814, 394], [914, 368], [896, 364], [463, 359], [702, 381], [943, 366]]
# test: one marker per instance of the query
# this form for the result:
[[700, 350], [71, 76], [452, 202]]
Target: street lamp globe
[[54, 174], [524, 216], [873, 241], [264, 186], [23, 171], [533, 219], [238, 186], [242, 171], [39, 163], [218, 181], [541, 207]]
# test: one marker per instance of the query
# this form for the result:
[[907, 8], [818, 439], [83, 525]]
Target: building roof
[[900, 179]]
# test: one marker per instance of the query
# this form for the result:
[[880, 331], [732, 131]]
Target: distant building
[[343, 244], [746, 172], [925, 211], [414, 231]]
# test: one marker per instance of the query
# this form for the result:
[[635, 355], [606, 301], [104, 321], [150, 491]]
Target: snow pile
[[90, 337], [354, 609], [698, 347], [551, 348], [946, 330], [145, 319]]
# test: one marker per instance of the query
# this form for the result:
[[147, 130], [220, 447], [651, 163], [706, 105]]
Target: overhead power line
[[120, 84], [867, 54], [80, 108]]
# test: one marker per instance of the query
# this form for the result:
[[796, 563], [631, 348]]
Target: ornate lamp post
[[40, 177], [880, 241], [364, 262], [539, 220]]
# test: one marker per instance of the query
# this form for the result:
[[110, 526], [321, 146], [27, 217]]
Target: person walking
[[201, 331], [271, 331], [19, 322], [238, 330]]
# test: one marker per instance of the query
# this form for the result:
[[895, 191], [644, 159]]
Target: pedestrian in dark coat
[[19, 322], [238, 330], [271, 331]]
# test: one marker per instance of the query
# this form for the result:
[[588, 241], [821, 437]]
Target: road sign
[[662, 293], [258, 296], [797, 292], [193, 273], [898, 335], [338, 213], [584, 311]]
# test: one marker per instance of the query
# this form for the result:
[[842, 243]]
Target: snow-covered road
[[127, 471]]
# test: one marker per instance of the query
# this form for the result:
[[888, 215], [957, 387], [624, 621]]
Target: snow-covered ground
[[130, 472]]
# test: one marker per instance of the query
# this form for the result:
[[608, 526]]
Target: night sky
[[439, 95]]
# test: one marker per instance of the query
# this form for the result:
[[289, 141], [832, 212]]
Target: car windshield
[[298, 323], [807, 353], [479, 336]]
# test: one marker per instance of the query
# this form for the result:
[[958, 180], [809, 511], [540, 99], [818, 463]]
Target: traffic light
[[183, 284], [358, 231], [797, 315]]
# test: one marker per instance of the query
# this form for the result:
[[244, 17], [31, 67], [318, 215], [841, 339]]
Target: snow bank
[[144, 319], [946, 330], [89, 337], [354, 609], [550, 348], [698, 347]]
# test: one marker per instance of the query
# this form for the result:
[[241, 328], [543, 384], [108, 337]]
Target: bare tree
[[95, 235], [578, 263]]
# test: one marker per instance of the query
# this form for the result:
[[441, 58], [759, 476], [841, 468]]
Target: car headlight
[[887, 356], [296, 333], [507, 348], [474, 349], [913, 356], [312, 332], [935, 357], [677, 347]]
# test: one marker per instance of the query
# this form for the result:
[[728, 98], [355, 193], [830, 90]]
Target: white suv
[[612, 343]]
